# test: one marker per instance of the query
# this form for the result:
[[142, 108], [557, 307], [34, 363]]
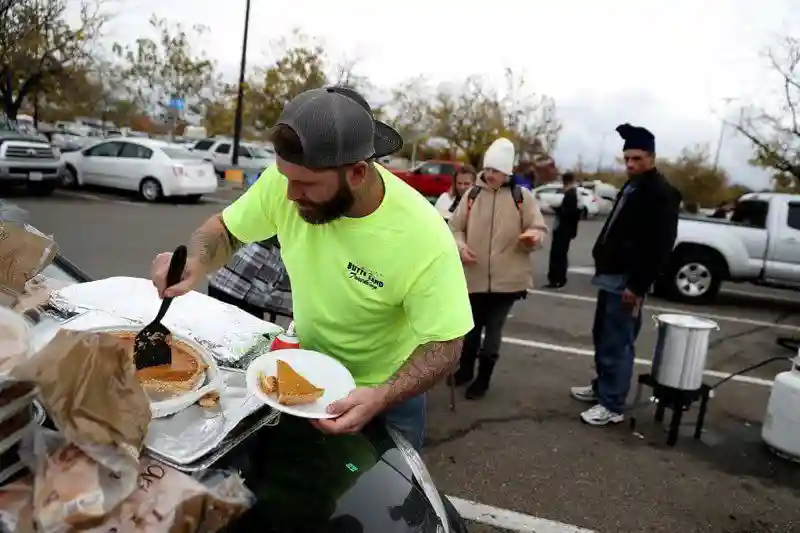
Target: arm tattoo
[[212, 244], [429, 364]]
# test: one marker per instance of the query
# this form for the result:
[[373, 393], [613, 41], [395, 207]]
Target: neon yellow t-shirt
[[368, 290]]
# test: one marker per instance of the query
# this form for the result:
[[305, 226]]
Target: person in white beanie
[[496, 226]]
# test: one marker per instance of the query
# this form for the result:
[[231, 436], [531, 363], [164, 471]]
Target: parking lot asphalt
[[523, 448]]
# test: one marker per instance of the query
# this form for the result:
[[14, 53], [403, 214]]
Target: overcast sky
[[669, 65]]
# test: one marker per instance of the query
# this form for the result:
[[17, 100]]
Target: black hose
[[790, 343], [750, 368]]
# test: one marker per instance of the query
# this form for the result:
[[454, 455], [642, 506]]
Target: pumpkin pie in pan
[[184, 374]]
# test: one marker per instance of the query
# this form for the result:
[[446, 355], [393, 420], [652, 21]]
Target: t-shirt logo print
[[370, 278]]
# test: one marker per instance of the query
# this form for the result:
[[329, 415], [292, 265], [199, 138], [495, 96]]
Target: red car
[[430, 178]]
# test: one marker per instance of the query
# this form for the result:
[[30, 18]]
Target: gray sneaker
[[600, 416], [583, 394]]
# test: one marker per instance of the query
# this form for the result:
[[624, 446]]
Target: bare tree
[[471, 115], [775, 133], [168, 66]]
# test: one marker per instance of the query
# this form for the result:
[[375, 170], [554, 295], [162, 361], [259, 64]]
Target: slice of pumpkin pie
[[294, 389]]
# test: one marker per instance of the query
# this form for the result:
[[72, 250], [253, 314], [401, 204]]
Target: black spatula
[[150, 348]]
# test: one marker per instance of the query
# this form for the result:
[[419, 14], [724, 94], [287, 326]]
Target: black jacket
[[637, 241], [568, 214]]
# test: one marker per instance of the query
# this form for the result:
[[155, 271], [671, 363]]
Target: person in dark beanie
[[565, 228], [629, 254]]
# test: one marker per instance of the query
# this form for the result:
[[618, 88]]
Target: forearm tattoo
[[212, 244], [428, 365]]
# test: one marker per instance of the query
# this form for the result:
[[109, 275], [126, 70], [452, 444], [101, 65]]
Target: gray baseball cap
[[336, 128]]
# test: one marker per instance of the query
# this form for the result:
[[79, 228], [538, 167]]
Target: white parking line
[[76, 194], [511, 520], [660, 309], [215, 200], [111, 200], [590, 353], [581, 271]]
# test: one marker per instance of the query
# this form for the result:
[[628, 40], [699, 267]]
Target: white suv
[[252, 157], [551, 195]]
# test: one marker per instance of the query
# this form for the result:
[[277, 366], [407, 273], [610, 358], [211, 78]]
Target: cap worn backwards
[[336, 128]]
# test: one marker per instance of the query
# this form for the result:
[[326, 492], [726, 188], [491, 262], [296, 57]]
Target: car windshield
[[176, 152], [6, 124], [261, 153]]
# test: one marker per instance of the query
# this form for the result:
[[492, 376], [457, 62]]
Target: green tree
[[39, 48], [91, 91], [301, 66], [470, 116], [220, 113], [157, 69], [693, 173]]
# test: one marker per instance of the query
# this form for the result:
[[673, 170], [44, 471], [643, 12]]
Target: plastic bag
[[70, 488], [87, 383], [163, 500], [15, 341]]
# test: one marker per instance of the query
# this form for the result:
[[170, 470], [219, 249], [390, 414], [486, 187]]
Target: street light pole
[[721, 139], [237, 122]]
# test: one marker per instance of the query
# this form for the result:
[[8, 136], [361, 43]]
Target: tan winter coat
[[492, 233]]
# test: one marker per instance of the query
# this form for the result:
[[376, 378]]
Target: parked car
[[370, 482], [551, 195], [68, 141], [431, 178], [601, 189], [760, 244], [28, 160], [605, 192], [252, 157], [153, 168]]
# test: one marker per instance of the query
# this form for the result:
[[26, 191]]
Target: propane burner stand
[[676, 400]]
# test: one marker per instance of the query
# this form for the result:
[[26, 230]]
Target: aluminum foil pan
[[227, 332]]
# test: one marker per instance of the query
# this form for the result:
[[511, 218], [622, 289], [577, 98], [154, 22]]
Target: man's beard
[[335, 208]]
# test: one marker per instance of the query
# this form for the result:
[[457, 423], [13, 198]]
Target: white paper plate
[[320, 369]]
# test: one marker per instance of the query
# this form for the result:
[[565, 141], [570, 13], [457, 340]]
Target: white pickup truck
[[760, 244]]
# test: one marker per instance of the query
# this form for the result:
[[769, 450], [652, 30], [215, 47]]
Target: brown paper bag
[[88, 385], [165, 501], [24, 252]]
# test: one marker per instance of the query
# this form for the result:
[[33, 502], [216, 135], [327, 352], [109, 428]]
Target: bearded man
[[376, 277]]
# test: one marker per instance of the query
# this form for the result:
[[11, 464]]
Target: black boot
[[478, 389], [466, 370]]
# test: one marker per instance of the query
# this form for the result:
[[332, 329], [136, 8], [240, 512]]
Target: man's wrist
[[383, 395]]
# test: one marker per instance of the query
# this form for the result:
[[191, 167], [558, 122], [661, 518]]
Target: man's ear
[[358, 173]]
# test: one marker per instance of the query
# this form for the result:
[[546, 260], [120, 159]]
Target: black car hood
[[305, 481]]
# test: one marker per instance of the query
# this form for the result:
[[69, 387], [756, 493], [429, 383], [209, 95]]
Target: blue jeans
[[614, 332], [408, 418]]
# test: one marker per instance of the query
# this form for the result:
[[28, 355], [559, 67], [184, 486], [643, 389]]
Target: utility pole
[[600, 153], [719, 145], [237, 123]]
